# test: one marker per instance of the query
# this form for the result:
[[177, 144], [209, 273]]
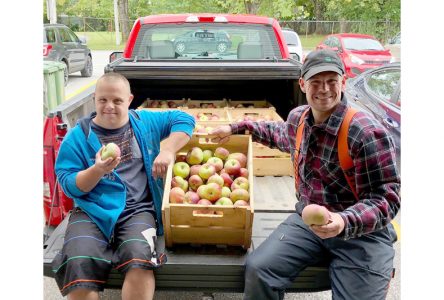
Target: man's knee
[[83, 294], [137, 275]]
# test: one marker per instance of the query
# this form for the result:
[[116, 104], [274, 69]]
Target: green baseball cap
[[321, 61]]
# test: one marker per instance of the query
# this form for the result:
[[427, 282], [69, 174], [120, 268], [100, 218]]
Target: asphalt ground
[[77, 84]]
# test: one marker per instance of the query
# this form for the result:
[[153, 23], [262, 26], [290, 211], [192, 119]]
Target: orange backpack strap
[[299, 133], [345, 160]]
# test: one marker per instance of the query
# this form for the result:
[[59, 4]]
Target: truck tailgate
[[219, 268]]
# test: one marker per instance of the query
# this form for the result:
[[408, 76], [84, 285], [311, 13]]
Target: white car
[[293, 43]]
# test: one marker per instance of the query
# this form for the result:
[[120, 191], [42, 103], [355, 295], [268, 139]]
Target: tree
[[124, 21]]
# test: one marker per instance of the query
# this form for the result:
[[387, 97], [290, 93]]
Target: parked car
[[202, 40], [378, 91], [359, 52], [61, 44], [293, 43], [394, 45]]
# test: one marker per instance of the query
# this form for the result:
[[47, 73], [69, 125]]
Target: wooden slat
[[262, 150], [207, 235], [275, 166]]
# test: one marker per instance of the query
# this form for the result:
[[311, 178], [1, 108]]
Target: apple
[[191, 197], [242, 158], [194, 156], [178, 181], [216, 179], [195, 182], [216, 162], [194, 170], [203, 118], [222, 153], [211, 191], [206, 171], [226, 177], [205, 211], [240, 183], [224, 201], [314, 214], [206, 154], [239, 194], [243, 173], [181, 157], [172, 104], [241, 203], [232, 166], [181, 169], [200, 191], [226, 191], [110, 150], [177, 195]]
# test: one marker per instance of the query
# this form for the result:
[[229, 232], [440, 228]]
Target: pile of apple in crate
[[208, 197]]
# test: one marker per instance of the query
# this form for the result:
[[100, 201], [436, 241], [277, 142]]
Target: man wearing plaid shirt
[[358, 240]]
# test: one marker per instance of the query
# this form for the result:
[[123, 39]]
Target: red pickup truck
[[199, 57]]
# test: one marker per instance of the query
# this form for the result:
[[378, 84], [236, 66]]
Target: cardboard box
[[184, 223]]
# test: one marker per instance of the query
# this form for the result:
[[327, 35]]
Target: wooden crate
[[231, 225], [195, 104], [253, 114], [221, 113], [264, 151], [273, 166], [178, 103], [249, 103]]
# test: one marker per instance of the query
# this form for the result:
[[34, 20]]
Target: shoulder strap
[[345, 160], [299, 133]]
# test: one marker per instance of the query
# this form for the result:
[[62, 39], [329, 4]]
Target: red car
[[359, 52]]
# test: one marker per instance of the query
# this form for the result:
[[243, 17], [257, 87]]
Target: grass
[[107, 41]]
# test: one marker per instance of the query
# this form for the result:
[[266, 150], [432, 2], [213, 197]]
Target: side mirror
[[115, 55], [82, 39]]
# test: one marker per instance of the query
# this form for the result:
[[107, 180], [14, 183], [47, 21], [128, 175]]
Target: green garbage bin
[[54, 84]]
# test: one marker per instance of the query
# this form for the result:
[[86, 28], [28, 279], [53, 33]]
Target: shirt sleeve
[[378, 182], [271, 134]]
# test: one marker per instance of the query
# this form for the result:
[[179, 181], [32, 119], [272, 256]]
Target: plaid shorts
[[87, 256]]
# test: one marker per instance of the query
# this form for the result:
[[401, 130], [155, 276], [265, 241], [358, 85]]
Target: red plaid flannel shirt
[[322, 180]]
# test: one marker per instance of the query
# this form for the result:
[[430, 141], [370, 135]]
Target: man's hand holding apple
[[222, 134], [108, 165]]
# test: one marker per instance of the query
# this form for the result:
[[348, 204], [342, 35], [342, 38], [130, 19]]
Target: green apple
[[181, 169], [110, 150]]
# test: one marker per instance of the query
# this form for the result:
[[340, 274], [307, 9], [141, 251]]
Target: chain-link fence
[[102, 30]]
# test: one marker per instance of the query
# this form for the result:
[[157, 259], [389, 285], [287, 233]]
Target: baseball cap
[[321, 61]]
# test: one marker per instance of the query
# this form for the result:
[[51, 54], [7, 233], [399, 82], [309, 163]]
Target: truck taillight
[[46, 49], [46, 191], [207, 19]]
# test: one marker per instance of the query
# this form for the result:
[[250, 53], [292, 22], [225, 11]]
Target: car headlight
[[356, 60]]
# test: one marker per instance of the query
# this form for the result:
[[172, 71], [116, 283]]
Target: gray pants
[[360, 268]]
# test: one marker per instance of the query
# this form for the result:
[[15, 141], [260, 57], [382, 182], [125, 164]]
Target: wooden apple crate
[[180, 103], [196, 104], [238, 114], [250, 103], [273, 166], [183, 224], [221, 112]]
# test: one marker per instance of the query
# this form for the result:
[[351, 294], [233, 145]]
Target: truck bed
[[220, 268]]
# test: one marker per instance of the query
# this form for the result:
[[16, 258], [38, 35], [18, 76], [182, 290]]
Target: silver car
[[61, 44]]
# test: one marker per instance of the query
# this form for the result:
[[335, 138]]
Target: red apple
[[195, 182], [194, 170], [242, 158], [110, 150], [239, 194], [222, 153], [232, 166], [216, 178], [205, 211], [227, 178], [240, 183], [216, 162], [191, 197], [243, 173], [241, 203], [177, 195], [181, 169], [212, 192], [178, 181]]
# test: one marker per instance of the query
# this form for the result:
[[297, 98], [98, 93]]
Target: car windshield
[[206, 41], [290, 38], [352, 43]]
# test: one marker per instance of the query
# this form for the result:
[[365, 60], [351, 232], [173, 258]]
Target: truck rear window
[[206, 41]]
